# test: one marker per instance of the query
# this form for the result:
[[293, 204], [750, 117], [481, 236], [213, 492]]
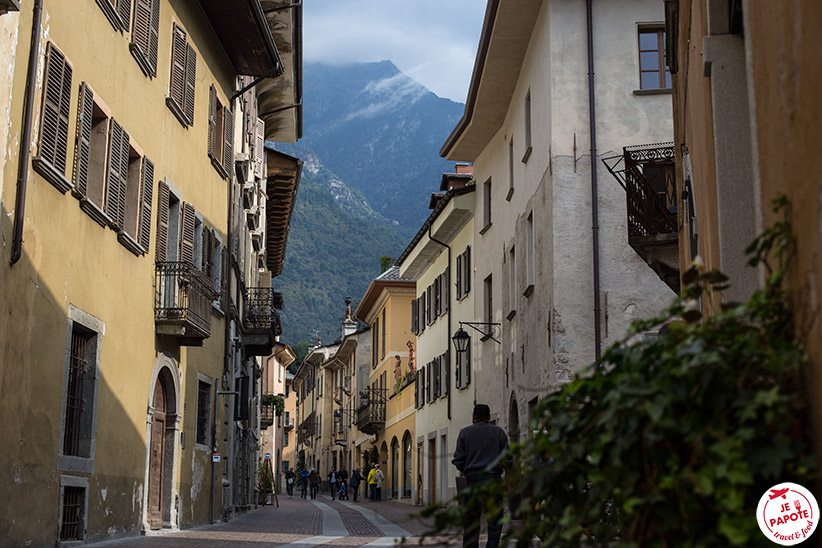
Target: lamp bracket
[[486, 329]]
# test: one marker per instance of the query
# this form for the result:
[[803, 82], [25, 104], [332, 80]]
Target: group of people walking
[[338, 483]]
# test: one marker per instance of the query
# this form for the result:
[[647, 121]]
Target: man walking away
[[289, 482], [356, 480], [314, 480], [332, 482], [478, 446], [304, 480]]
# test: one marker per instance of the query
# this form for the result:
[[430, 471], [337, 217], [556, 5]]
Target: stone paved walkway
[[299, 523]]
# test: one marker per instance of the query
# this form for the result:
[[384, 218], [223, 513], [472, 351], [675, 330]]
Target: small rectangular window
[[488, 299], [486, 209], [512, 281], [528, 147], [72, 525], [510, 170], [653, 69], [203, 412], [78, 405], [529, 254]]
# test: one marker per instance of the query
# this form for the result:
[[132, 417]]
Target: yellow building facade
[[122, 134], [385, 409]]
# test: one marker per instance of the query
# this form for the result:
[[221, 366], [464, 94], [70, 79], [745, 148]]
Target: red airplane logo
[[776, 493]]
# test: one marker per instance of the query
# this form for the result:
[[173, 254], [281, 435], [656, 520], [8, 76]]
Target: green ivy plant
[[668, 440], [277, 401]]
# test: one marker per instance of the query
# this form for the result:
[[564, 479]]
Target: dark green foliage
[[300, 351], [277, 400], [385, 263], [669, 441]]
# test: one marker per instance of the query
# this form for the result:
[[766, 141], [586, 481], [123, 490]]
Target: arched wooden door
[[157, 456]]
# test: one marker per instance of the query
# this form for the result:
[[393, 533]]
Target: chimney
[[349, 325]]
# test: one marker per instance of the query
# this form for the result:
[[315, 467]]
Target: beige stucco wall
[[69, 260]]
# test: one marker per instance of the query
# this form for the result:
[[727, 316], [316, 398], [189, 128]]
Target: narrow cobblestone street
[[298, 523]]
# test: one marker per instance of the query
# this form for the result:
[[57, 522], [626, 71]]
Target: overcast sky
[[433, 41]]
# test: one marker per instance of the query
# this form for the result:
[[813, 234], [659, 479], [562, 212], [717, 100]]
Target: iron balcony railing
[[260, 310], [182, 297], [371, 411], [267, 412]]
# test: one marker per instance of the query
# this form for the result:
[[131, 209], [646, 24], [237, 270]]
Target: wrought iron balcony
[[267, 413], [182, 302], [371, 411], [307, 429], [261, 321]]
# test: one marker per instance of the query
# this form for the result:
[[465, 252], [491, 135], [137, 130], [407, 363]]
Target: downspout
[[448, 344], [594, 193], [25, 146]]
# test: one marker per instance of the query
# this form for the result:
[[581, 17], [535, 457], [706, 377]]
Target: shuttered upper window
[[183, 77], [220, 134], [118, 12], [144, 35], [112, 178], [50, 161]]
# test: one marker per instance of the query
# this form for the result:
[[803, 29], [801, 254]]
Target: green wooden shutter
[[112, 194], [212, 121], [187, 230], [178, 66], [163, 198], [56, 107], [124, 13], [228, 135], [85, 112], [147, 187], [191, 80]]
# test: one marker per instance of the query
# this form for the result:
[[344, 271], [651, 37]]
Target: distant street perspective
[[371, 272]]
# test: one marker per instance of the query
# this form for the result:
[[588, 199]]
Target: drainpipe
[[448, 247], [25, 146], [594, 194]]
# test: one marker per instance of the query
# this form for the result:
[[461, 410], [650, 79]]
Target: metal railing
[[259, 311], [183, 295], [371, 410], [267, 412]]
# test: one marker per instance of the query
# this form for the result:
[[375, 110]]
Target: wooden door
[[432, 471], [157, 457]]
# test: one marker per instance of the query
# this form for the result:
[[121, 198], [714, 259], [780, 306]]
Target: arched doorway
[[513, 421], [161, 450], [395, 468]]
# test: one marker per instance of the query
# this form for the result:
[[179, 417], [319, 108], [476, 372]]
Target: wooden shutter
[[212, 121], [414, 316], [446, 289], [228, 135], [85, 111], [429, 303], [466, 263], [124, 12], [437, 299], [187, 230], [459, 276], [56, 107], [446, 372], [191, 80], [147, 190], [115, 176], [178, 66], [259, 148], [163, 197], [466, 366], [141, 35], [458, 370], [207, 266], [153, 37], [421, 383]]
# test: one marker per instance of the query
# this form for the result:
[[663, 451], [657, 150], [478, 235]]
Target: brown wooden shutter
[[113, 191], [259, 148], [446, 289], [163, 198], [85, 111], [124, 12], [147, 187], [212, 121], [187, 230], [446, 371], [56, 107], [140, 36], [459, 276], [467, 265], [191, 80], [208, 248], [414, 316], [153, 36], [228, 135], [178, 66]]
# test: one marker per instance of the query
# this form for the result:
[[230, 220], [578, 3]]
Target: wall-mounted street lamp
[[462, 339]]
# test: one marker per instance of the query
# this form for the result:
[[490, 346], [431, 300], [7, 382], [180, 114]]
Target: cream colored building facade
[[559, 290], [116, 211], [439, 260]]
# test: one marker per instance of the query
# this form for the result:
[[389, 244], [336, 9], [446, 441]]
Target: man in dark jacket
[[356, 480], [479, 447]]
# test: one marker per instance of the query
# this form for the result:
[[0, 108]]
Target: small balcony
[[371, 412], [288, 425], [182, 302], [267, 412], [261, 321], [647, 173]]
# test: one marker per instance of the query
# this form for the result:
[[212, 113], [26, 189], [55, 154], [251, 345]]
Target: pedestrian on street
[[372, 484], [380, 476], [478, 448], [304, 480], [342, 480], [332, 482], [356, 480], [314, 481], [289, 482]]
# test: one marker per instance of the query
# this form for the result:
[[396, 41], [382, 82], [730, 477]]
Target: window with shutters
[[50, 161], [220, 134], [463, 273], [384, 329], [463, 368], [118, 13], [415, 326], [445, 286], [488, 302], [144, 35], [181, 86], [80, 387], [437, 298], [429, 303], [423, 317]]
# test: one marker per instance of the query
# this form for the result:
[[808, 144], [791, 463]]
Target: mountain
[[370, 146]]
